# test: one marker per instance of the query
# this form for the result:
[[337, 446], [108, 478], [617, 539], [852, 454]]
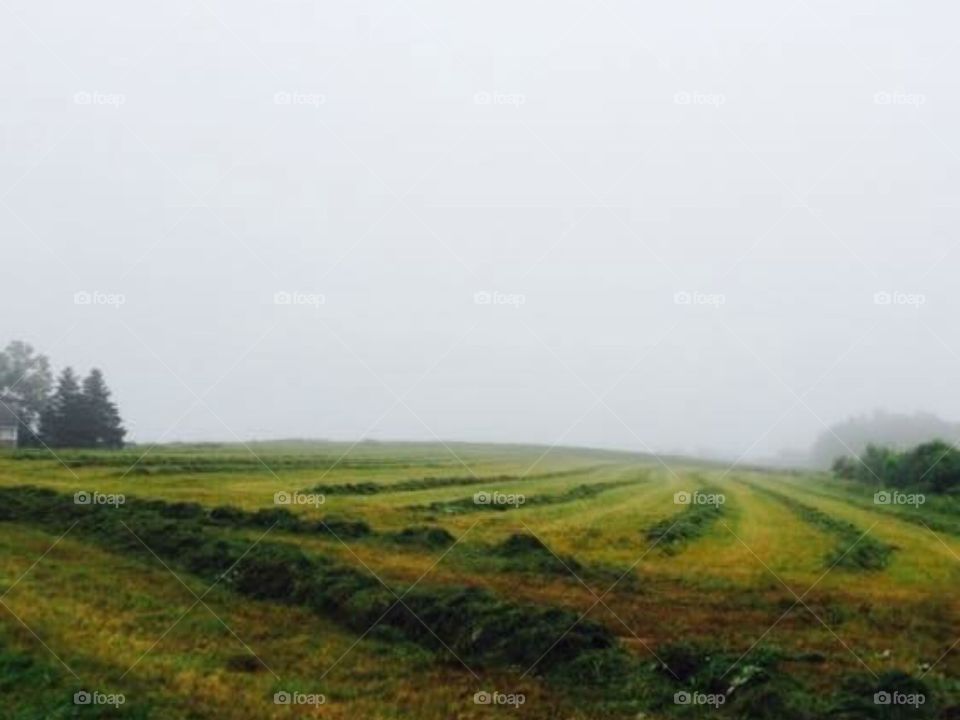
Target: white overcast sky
[[583, 163]]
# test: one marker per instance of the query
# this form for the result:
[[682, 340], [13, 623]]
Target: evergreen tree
[[61, 422], [101, 422]]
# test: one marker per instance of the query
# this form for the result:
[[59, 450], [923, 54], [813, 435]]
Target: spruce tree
[[102, 426], [61, 422]]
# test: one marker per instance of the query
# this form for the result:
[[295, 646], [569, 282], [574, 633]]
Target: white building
[[8, 427]]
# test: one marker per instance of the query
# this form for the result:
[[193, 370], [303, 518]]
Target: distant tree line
[[894, 430], [933, 467], [75, 413]]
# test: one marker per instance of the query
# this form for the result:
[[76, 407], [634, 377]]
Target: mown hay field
[[464, 581]]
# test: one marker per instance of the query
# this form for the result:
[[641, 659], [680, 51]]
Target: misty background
[[686, 228]]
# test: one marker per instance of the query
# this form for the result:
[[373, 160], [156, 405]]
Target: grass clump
[[525, 552], [756, 687], [425, 536], [342, 527], [864, 696], [671, 532]]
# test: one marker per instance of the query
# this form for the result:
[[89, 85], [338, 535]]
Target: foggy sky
[[168, 169]]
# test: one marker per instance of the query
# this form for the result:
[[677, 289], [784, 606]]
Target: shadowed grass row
[[857, 549], [433, 483], [671, 532], [487, 502], [476, 626]]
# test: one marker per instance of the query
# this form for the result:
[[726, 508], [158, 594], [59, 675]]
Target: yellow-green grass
[[122, 626], [730, 587], [924, 560], [691, 594], [256, 488], [754, 543]]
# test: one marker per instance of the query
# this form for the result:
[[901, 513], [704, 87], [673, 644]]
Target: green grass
[[856, 551], [692, 522], [473, 504], [579, 564]]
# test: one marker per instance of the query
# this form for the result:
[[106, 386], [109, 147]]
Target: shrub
[[424, 536]]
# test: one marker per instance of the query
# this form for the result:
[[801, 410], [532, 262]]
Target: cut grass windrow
[[477, 626], [487, 501], [857, 550], [937, 514], [433, 483], [705, 507], [132, 462], [415, 537]]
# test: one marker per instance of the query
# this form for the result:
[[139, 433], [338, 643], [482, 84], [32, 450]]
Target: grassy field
[[401, 580]]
